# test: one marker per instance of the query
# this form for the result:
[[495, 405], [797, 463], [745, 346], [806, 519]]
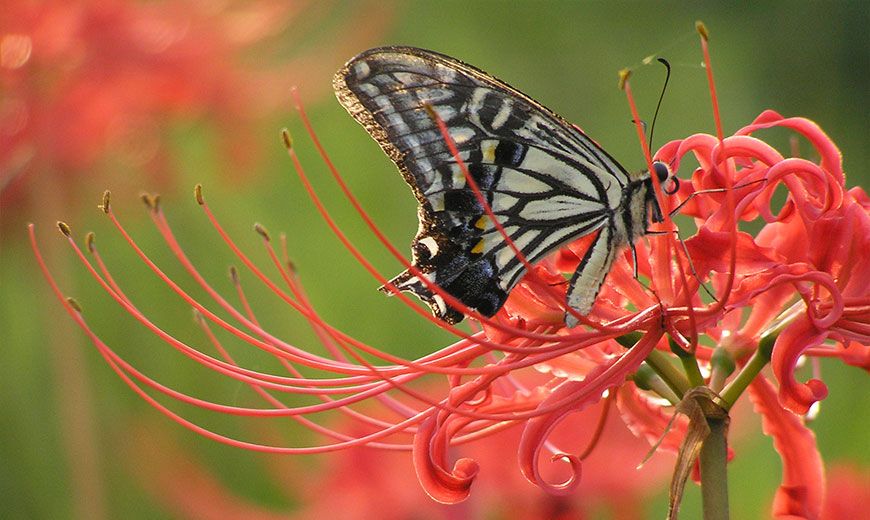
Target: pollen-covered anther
[[104, 205], [89, 241], [702, 30], [152, 202], [431, 111], [64, 228], [288, 140], [74, 304], [262, 231], [624, 74]]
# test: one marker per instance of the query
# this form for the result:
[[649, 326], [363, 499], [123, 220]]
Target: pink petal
[[789, 347], [447, 487], [802, 491], [851, 495], [574, 396]]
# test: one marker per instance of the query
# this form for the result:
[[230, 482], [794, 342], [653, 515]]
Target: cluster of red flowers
[[84, 82], [780, 294]]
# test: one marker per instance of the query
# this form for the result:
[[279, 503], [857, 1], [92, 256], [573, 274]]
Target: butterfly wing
[[546, 182]]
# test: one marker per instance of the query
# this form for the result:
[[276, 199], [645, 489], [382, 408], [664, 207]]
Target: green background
[[806, 59]]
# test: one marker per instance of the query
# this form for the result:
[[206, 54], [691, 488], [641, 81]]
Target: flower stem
[[760, 358], [690, 364], [714, 477], [661, 364], [647, 379], [721, 366]]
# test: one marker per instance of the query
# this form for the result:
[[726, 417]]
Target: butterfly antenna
[[661, 97]]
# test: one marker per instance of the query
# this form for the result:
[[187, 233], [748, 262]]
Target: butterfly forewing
[[546, 182]]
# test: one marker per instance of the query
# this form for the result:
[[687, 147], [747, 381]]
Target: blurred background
[[158, 96]]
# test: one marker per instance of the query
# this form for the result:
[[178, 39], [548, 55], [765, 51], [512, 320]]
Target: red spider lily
[[87, 82], [772, 302], [185, 486]]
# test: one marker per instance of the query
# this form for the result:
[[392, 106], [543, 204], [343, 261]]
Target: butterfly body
[[546, 182]]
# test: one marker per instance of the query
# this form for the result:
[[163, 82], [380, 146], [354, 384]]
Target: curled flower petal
[[570, 397], [535, 435], [832, 159], [802, 491], [790, 345], [447, 487]]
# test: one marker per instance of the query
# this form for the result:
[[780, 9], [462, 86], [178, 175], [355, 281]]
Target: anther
[[430, 111], [262, 231], [104, 205], [624, 74], [89, 241], [152, 202], [74, 304], [702, 30], [64, 228], [288, 141], [197, 192]]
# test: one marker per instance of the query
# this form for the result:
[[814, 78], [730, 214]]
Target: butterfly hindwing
[[546, 182]]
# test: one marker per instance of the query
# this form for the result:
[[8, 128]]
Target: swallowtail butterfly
[[546, 181]]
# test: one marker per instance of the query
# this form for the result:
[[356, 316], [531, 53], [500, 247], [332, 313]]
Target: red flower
[[776, 295], [96, 84], [363, 483]]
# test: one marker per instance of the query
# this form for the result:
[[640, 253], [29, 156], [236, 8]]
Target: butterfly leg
[[711, 190], [688, 257]]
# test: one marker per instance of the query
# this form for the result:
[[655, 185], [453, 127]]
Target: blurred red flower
[[363, 483], [91, 87]]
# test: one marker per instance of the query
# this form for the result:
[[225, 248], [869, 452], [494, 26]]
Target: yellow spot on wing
[[481, 222], [458, 176], [489, 152], [477, 249]]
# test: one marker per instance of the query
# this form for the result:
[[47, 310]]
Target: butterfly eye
[[674, 187], [662, 171]]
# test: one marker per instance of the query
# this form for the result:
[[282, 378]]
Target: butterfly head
[[670, 185]]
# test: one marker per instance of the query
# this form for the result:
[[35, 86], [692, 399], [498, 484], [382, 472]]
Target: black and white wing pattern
[[546, 182]]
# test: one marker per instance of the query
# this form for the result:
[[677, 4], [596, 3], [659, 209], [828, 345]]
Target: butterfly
[[546, 182]]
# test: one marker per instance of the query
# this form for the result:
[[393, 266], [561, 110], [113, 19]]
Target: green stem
[[690, 365], [646, 379], [714, 475], [661, 364], [760, 358], [721, 366], [689, 362]]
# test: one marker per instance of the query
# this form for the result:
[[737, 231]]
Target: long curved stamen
[[450, 299], [663, 255]]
